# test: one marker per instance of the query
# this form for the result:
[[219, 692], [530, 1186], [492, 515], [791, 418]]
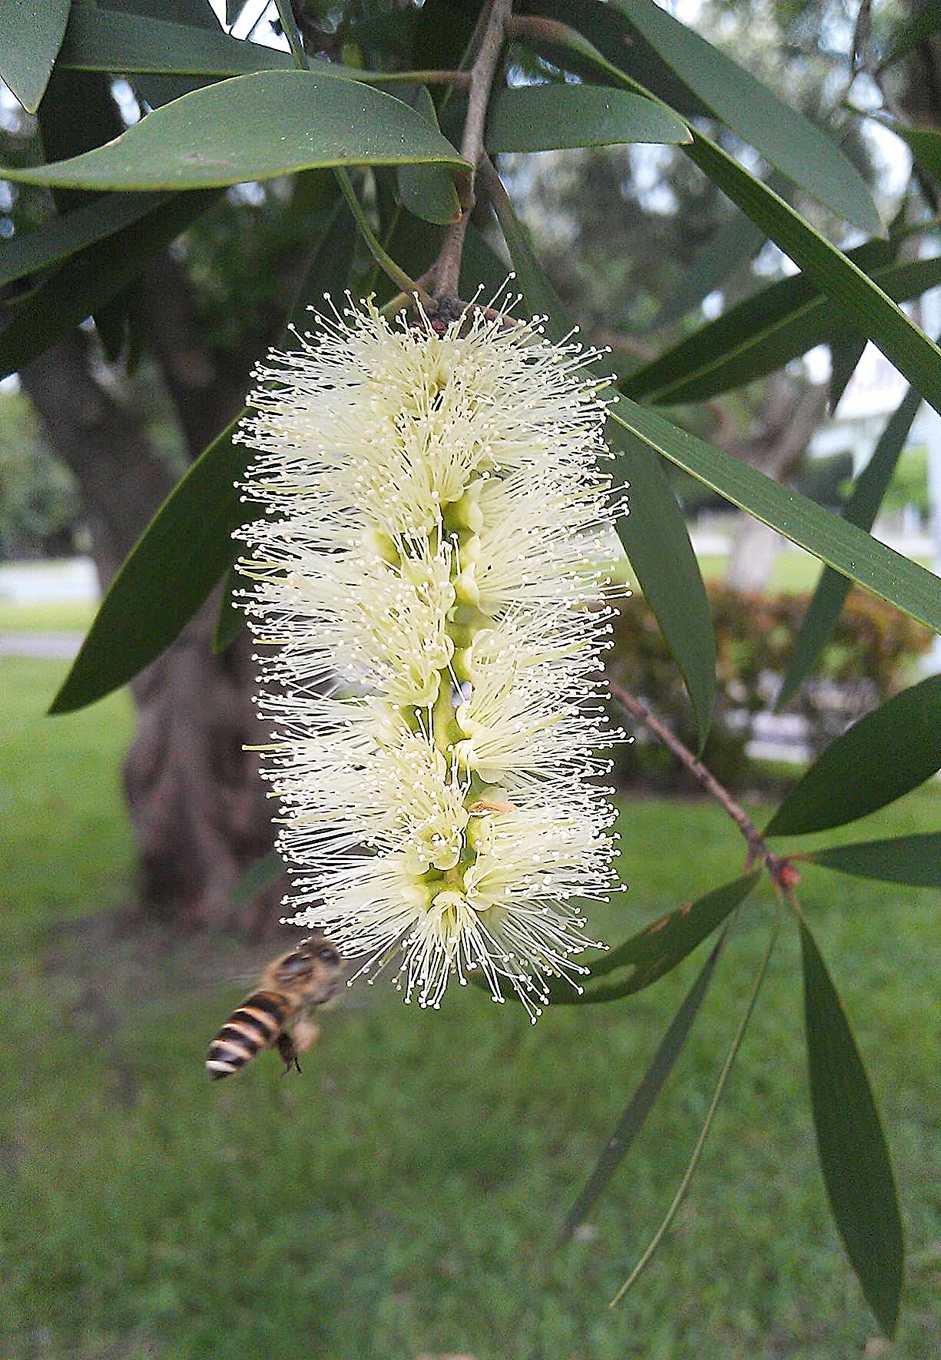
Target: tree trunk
[[196, 801]]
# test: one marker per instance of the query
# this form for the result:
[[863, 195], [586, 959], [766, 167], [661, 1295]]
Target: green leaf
[[852, 1148], [644, 1098], [661, 946], [92, 278], [863, 301], [841, 545], [222, 135], [915, 860], [614, 39], [30, 37], [114, 40], [654, 1244], [229, 621], [861, 509], [543, 117], [78, 113], [188, 545], [844, 357], [788, 140], [654, 534], [181, 555], [162, 47], [59, 238], [428, 191], [764, 332], [883, 756], [732, 244]]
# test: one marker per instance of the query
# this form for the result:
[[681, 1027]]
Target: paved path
[[51, 646]]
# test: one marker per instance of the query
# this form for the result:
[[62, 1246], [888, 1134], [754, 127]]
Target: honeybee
[[274, 1015]]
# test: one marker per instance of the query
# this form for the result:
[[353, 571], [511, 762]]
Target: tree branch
[[447, 268], [783, 874]]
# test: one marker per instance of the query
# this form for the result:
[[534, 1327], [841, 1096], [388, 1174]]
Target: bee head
[[313, 969]]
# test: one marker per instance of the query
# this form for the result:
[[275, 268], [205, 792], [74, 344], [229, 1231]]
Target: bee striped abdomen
[[254, 1025]]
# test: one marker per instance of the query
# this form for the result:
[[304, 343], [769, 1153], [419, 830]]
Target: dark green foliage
[[871, 653], [851, 1144], [861, 508], [30, 37], [905, 859], [883, 756]]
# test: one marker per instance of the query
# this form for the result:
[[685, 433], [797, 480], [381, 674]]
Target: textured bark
[[195, 798]]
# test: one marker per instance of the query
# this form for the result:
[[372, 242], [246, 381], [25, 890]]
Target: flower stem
[[292, 33], [448, 266], [757, 845], [376, 249]]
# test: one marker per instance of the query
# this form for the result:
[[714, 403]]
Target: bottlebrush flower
[[427, 596]]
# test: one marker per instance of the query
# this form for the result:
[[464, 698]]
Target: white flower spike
[[427, 595]]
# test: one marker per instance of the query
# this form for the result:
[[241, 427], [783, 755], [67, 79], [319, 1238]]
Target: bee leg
[[288, 1052]]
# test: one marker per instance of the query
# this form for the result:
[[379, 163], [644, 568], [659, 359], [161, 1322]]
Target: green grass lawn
[[399, 1197], [61, 617]]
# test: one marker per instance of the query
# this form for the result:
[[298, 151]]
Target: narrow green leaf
[[788, 140], [58, 238], [544, 117], [428, 191], [652, 1247], [862, 300], [873, 311], [78, 113], [654, 534], [661, 946], [264, 873], [915, 860], [861, 509], [30, 38], [92, 278], [670, 938], [763, 332], [644, 1098], [731, 246], [181, 555], [844, 358], [841, 545], [614, 39], [883, 756], [853, 1153], [188, 545], [229, 621], [160, 47], [115, 40], [222, 135]]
